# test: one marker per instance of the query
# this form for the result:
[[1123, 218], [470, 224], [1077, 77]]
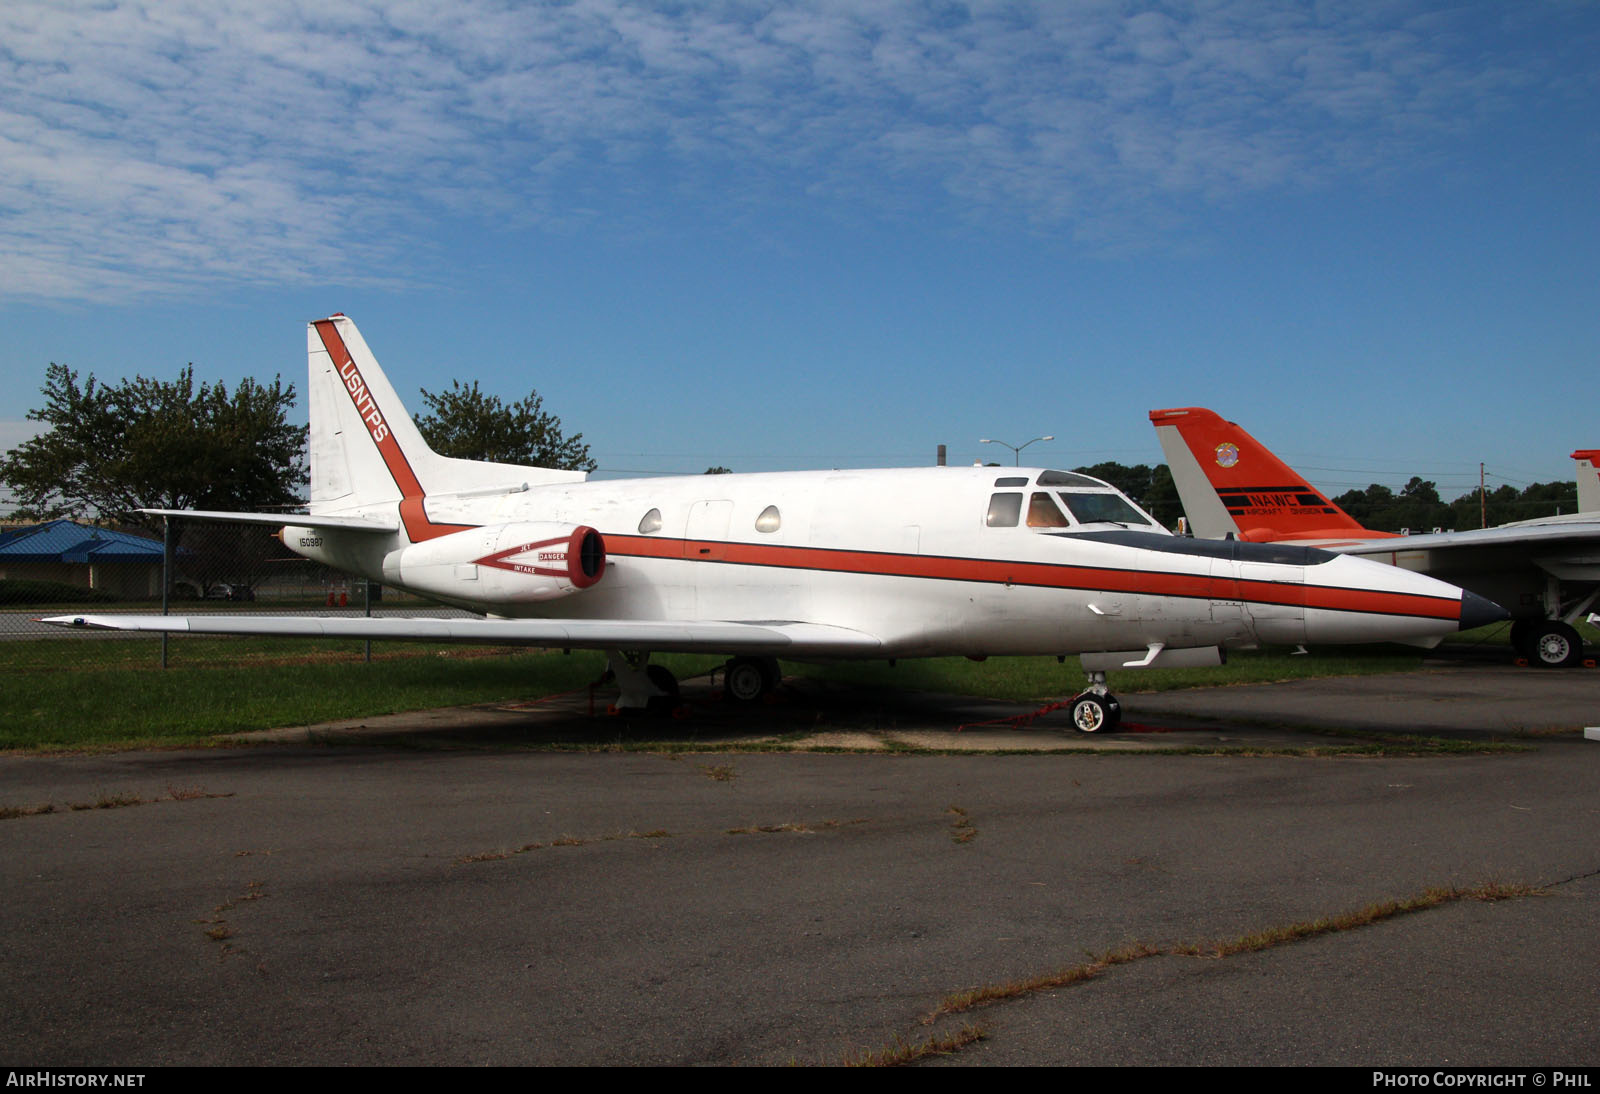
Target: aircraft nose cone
[[1478, 611]]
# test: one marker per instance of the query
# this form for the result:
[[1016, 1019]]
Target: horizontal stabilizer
[[294, 520]]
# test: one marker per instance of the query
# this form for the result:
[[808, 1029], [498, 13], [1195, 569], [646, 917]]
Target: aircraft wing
[[1553, 533], [297, 520], [775, 638]]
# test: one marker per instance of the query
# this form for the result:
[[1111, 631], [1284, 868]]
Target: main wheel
[[745, 679], [1095, 713], [1555, 645]]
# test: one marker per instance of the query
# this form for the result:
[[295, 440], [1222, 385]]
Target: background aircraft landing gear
[[1096, 710], [1547, 642], [748, 679]]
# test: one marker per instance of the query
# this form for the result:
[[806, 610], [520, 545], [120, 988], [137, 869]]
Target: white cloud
[[149, 146]]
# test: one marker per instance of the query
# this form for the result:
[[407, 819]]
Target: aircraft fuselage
[[912, 556]]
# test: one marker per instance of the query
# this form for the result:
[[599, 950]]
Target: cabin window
[[770, 520], [1113, 508], [1004, 510], [1044, 513], [650, 522]]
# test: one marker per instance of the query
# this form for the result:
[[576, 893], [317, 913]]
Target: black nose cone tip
[[1478, 611]]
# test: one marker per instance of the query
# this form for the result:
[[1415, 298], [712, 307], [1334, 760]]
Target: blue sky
[[824, 234]]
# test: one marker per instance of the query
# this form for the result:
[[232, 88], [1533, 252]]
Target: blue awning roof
[[68, 541]]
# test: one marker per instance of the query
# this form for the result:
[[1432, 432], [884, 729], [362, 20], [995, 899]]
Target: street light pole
[[1016, 449]]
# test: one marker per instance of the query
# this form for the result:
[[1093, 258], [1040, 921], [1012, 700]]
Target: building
[[82, 555]]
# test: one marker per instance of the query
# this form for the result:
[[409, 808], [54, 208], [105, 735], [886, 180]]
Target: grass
[[562, 841], [901, 1052], [88, 693], [220, 691], [1253, 942], [108, 801], [962, 830]]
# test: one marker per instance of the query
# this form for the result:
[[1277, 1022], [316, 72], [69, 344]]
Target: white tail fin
[[367, 452], [1588, 479]]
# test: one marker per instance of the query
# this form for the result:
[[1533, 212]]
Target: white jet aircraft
[[1545, 571], [808, 565]]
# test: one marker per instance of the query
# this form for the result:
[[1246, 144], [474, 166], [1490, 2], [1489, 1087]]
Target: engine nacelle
[[502, 563]]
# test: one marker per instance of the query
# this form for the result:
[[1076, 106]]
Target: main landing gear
[[1547, 642], [653, 688], [750, 679], [643, 686], [1095, 710]]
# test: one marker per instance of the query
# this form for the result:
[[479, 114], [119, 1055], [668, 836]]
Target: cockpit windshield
[[1091, 508], [1084, 501]]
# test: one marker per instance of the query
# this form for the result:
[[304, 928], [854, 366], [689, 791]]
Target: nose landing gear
[[1095, 710]]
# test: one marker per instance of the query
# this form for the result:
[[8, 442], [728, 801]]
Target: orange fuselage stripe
[[1037, 574]]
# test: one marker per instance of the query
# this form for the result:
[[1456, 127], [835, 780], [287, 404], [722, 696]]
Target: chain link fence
[[68, 568]]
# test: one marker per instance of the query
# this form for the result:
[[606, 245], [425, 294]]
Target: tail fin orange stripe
[[413, 514]]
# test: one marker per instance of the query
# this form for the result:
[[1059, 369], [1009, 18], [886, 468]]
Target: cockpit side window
[[1043, 513], [1004, 510]]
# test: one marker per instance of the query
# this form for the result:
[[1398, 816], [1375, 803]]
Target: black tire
[[1094, 713], [1555, 645], [745, 680], [666, 683]]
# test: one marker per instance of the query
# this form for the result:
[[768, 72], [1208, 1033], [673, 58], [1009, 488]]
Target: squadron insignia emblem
[[1227, 454]]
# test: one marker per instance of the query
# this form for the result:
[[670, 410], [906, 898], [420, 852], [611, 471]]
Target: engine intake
[[502, 563]]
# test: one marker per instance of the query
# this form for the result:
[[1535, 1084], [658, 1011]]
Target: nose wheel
[[1093, 713], [1095, 710]]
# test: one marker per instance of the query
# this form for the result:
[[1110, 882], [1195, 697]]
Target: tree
[[148, 444], [1362, 506], [468, 425]]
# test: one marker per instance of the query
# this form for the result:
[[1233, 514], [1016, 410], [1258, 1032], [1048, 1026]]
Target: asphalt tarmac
[[427, 890]]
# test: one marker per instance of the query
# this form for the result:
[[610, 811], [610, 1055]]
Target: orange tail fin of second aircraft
[[1230, 482]]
